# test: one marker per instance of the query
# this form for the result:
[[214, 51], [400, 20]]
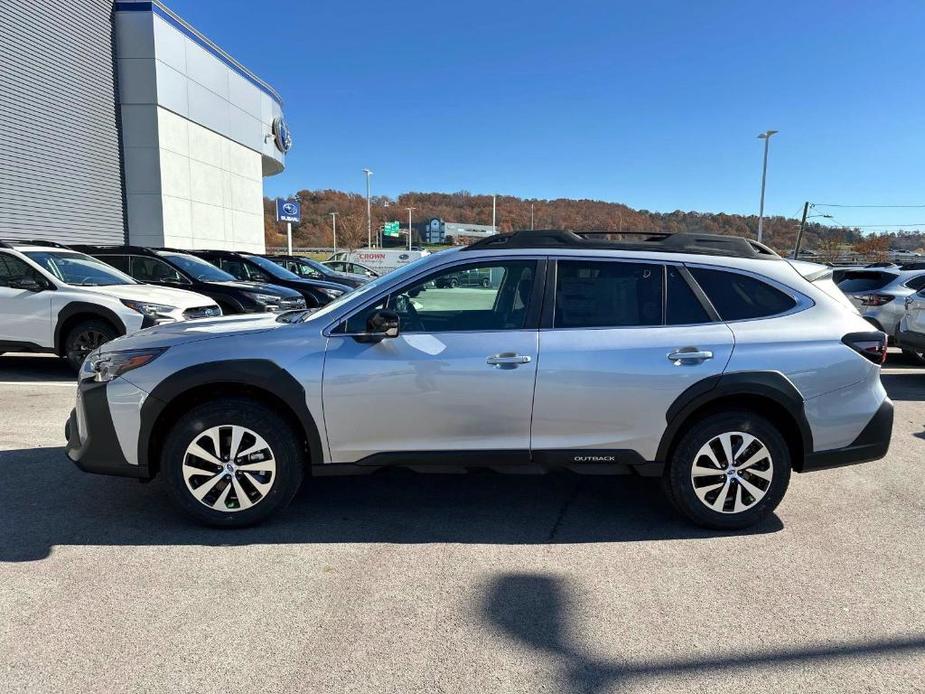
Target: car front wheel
[[232, 463], [730, 470]]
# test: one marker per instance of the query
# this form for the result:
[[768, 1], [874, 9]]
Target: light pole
[[334, 229], [531, 216], [494, 229], [369, 214], [766, 136], [410, 209]]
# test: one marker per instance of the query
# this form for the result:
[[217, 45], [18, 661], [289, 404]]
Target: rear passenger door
[[620, 341]]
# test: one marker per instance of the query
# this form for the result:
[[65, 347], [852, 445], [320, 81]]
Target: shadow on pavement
[[905, 386], [533, 609], [63, 506], [30, 368]]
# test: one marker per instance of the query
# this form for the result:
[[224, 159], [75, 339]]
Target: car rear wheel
[[729, 471], [453, 283], [85, 337], [233, 463]]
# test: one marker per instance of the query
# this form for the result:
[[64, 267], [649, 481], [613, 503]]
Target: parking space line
[[38, 383]]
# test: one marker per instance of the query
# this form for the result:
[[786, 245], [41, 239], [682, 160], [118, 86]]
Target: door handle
[[681, 355], [507, 359]]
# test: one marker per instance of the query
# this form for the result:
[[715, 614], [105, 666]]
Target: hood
[[262, 287], [170, 334], [348, 277], [181, 298], [318, 284]]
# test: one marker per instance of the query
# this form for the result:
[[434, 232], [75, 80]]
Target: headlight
[[148, 309], [333, 293], [108, 365]]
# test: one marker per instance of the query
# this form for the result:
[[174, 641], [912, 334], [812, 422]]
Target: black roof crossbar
[[663, 242]]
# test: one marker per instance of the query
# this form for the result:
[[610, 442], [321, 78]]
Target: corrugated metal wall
[[60, 171]]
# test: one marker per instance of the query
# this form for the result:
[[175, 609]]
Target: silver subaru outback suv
[[707, 360]]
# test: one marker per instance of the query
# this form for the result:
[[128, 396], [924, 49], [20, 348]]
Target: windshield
[[272, 268], [198, 268], [374, 286], [78, 269]]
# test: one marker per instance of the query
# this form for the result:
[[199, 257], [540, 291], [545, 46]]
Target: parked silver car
[[879, 293], [708, 360], [911, 334]]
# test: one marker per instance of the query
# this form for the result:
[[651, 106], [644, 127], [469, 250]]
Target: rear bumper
[[871, 444], [910, 340], [92, 445]]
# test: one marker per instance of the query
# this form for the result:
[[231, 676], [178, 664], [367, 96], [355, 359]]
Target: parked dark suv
[[313, 270], [247, 266], [175, 268]]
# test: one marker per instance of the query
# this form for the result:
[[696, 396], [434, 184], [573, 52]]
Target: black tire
[[453, 283], [486, 283], [285, 444], [84, 337], [914, 357], [679, 485]]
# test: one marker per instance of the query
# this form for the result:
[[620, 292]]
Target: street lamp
[[369, 214], [410, 209], [766, 136], [334, 229]]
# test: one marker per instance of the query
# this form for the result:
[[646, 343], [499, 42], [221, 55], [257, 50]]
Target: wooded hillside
[[514, 213]]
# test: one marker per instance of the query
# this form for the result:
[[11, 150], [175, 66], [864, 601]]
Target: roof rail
[[660, 241], [913, 266], [9, 243]]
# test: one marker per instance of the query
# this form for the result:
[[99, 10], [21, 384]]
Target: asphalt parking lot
[[410, 583]]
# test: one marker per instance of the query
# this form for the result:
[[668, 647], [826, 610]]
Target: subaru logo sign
[[281, 135], [288, 211]]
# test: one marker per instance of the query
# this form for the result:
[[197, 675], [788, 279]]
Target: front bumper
[[871, 444], [911, 340], [91, 438]]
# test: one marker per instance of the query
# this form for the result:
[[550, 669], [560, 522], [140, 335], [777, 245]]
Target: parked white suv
[[54, 299]]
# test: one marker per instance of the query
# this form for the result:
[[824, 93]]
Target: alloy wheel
[[85, 342], [229, 468], [732, 472]]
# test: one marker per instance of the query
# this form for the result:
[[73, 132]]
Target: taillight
[[876, 299], [871, 345]]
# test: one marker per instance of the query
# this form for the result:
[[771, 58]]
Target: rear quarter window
[[740, 297]]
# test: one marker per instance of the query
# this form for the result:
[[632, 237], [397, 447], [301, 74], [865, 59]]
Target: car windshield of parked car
[[272, 269], [198, 268], [78, 269]]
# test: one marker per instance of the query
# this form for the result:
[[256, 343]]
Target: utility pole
[[410, 209], [369, 215], [334, 229], [796, 248], [531, 216], [766, 136], [493, 208]]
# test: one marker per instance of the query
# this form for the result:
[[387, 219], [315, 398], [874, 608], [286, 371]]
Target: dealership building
[[120, 122]]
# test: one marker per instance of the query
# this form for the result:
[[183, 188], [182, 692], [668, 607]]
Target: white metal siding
[[60, 171]]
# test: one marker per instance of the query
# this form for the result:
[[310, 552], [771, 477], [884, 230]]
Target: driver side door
[[25, 315], [457, 382]]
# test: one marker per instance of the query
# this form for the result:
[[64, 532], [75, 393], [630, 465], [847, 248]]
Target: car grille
[[291, 304], [202, 312]]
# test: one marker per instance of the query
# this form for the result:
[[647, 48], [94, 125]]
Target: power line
[[832, 204]]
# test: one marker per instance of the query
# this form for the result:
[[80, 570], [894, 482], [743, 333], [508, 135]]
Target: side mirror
[[380, 325], [29, 284]]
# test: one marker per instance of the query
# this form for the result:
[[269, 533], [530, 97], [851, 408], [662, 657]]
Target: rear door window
[[865, 280], [740, 297], [683, 306], [603, 294]]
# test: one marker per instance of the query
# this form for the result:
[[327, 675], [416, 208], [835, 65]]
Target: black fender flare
[[771, 385], [260, 374], [73, 308]]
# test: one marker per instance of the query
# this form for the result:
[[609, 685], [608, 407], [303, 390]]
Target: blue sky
[[654, 104]]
